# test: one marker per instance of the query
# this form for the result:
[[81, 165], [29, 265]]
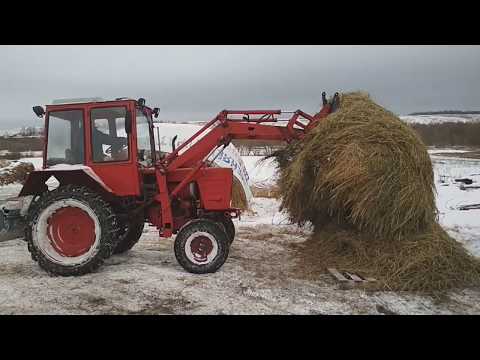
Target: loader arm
[[194, 153], [254, 125]]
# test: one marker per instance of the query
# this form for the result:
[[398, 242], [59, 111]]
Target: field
[[258, 277], [20, 145]]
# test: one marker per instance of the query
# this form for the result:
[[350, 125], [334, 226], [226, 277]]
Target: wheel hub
[[71, 231], [201, 247]]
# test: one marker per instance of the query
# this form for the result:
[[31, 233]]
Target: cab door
[[111, 149]]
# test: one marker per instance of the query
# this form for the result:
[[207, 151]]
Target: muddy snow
[[256, 279]]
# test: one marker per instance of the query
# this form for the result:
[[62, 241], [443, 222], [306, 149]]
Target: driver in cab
[[107, 147]]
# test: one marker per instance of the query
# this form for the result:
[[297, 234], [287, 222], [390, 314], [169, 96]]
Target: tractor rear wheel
[[201, 246], [70, 231], [131, 233]]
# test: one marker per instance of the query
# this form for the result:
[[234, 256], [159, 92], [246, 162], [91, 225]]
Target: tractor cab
[[112, 138]]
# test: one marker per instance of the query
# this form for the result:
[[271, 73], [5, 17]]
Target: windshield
[[143, 139]]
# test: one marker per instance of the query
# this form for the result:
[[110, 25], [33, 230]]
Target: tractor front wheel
[[225, 222], [201, 246], [70, 231], [229, 227]]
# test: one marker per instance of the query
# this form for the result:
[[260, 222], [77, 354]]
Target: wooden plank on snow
[[337, 274], [355, 277]]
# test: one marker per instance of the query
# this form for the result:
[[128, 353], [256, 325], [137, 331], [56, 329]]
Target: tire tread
[[106, 218], [205, 225]]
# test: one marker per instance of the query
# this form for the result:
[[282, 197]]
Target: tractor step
[[349, 280]]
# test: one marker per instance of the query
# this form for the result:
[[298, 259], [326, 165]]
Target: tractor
[[111, 179]]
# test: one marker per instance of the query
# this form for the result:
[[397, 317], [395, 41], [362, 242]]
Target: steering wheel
[[123, 146]]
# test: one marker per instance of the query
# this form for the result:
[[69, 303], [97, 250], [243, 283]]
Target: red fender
[[35, 182]]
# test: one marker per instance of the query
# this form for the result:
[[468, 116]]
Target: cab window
[[65, 137], [109, 138], [143, 139]]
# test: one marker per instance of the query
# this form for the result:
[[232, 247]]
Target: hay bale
[[239, 199], [427, 262], [365, 181], [361, 165]]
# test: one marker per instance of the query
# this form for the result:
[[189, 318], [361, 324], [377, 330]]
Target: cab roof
[[85, 100]]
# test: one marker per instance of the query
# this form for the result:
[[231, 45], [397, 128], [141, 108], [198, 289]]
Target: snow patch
[[439, 119]]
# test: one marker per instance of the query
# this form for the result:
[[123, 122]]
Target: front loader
[[110, 179]]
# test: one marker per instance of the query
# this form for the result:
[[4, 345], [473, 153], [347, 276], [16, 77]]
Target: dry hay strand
[[430, 262], [239, 199], [16, 173], [365, 181], [361, 165]]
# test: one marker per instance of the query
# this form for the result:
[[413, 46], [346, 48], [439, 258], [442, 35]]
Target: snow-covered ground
[[439, 119], [464, 225], [256, 279], [446, 151], [37, 162]]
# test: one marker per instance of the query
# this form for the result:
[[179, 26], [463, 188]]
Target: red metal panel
[[163, 199], [35, 182], [121, 178], [178, 175], [239, 130], [215, 186]]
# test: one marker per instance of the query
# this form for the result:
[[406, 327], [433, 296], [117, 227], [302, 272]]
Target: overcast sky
[[196, 82]]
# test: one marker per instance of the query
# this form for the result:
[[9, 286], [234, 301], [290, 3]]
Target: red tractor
[[111, 180]]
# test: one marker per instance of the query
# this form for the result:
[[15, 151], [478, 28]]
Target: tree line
[[449, 133]]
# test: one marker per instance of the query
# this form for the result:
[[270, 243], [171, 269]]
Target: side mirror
[[128, 122], [38, 110], [155, 112]]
